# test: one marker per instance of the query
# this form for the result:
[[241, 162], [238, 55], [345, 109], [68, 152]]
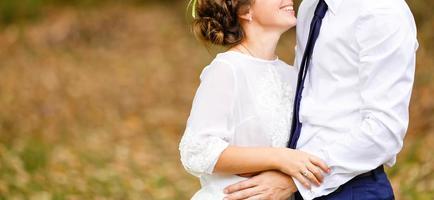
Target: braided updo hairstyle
[[217, 21]]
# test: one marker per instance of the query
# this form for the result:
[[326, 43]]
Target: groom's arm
[[387, 43]]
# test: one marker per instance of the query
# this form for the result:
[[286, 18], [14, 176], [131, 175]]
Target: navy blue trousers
[[372, 187]]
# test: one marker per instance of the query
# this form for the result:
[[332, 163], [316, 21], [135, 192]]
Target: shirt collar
[[333, 5]]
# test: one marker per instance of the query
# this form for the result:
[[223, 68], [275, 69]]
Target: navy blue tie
[[315, 27]]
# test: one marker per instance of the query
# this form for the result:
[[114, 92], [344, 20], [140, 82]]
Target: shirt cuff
[[307, 194], [331, 181], [328, 185]]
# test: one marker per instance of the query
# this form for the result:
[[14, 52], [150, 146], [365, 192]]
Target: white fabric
[[354, 108], [241, 101]]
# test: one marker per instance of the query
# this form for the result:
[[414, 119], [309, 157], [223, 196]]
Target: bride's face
[[276, 14]]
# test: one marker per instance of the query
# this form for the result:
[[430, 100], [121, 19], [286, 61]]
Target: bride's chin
[[289, 25], [292, 23], [288, 22]]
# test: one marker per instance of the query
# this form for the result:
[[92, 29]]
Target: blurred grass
[[94, 96], [12, 11]]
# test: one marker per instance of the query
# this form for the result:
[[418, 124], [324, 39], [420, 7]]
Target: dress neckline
[[254, 58]]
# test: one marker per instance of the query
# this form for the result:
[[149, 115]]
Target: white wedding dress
[[241, 101]]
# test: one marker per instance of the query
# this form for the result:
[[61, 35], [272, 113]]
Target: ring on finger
[[304, 173]]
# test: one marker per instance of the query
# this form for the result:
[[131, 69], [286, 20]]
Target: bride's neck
[[260, 43]]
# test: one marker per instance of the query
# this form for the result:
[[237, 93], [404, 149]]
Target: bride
[[241, 114]]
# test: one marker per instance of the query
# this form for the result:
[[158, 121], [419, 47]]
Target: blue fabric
[[315, 27], [374, 187]]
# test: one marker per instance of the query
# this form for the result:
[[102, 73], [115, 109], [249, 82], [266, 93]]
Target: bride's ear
[[247, 15]]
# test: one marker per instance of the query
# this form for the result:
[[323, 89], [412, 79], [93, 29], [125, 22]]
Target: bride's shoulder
[[225, 60], [227, 56], [220, 66], [287, 66]]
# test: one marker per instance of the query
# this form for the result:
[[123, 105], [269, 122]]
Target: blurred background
[[94, 97]]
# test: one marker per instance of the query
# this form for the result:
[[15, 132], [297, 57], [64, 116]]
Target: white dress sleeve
[[210, 124]]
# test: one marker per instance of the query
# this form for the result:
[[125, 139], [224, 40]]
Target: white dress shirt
[[241, 101], [354, 106]]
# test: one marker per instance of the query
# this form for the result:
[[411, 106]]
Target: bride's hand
[[304, 167]]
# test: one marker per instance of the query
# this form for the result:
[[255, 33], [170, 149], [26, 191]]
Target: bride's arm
[[246, 160], [242, 160]]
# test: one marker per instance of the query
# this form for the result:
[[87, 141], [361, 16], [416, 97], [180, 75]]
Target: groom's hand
[[269, 185]]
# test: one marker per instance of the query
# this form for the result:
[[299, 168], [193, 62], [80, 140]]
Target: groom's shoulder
[[373, 6]]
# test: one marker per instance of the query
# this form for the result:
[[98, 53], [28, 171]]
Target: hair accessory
[[192, 3]]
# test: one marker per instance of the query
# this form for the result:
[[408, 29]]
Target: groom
[[356, 62]]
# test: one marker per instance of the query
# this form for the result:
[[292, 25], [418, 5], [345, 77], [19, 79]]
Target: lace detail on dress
[[200, 154], [275, 98]]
